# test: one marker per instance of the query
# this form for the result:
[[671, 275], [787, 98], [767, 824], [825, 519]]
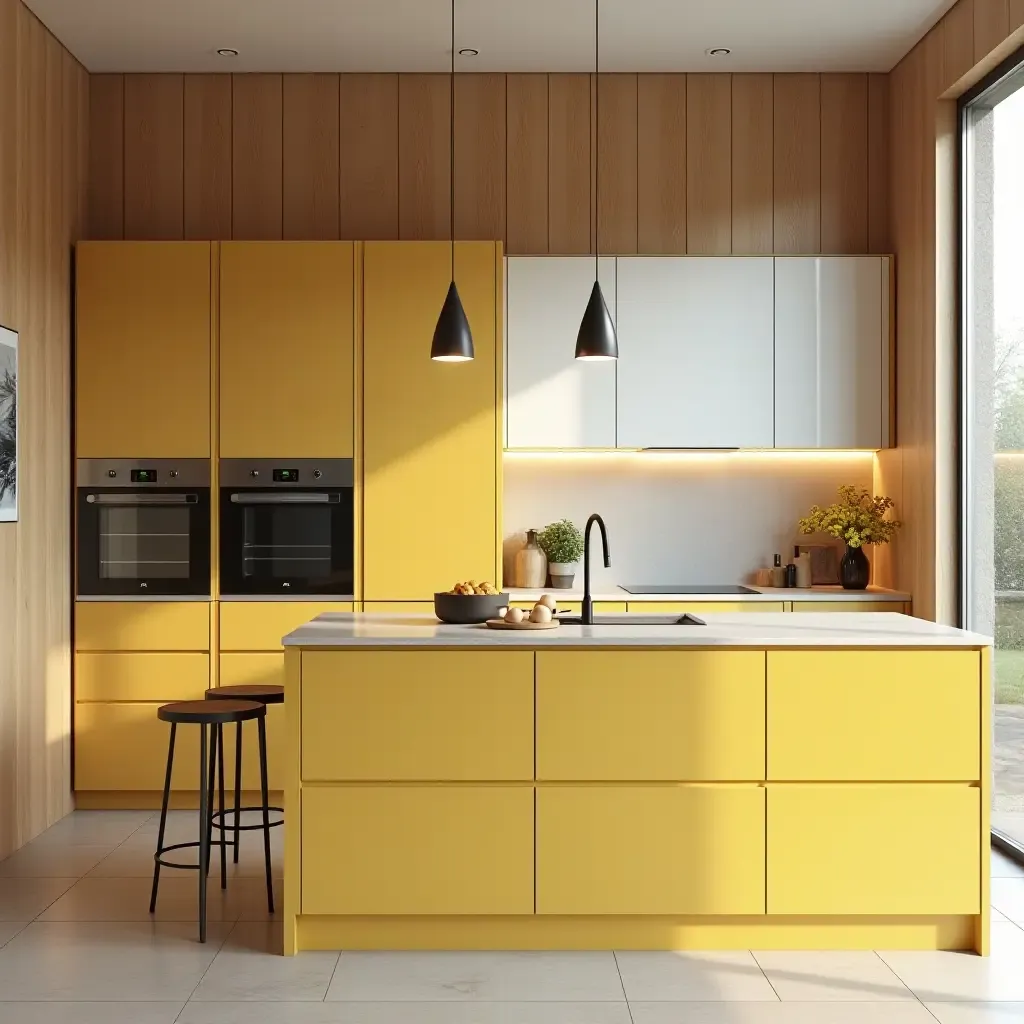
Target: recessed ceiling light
[[227, 51], [718, 51], [468, 51]]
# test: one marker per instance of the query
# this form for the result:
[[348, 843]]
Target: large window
[[992, 392]]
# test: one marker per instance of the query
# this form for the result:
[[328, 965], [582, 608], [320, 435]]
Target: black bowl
[[463, 609]]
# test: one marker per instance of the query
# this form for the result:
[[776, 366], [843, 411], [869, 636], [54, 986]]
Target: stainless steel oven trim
[[142, 498], [283, 497], [96, 473], [334, 473]]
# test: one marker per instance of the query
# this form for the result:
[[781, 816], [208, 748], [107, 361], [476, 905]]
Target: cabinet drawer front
[[236, 669], [874, 849], [650, 715], [260, 625], [849, 606], [703, 607], [417, 850], [124, 747], [130, 677], [428, 715], [874, 715], [650, 850], [142, 626]]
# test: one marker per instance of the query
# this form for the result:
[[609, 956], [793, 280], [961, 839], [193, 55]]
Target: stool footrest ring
[[219, 816], [158, 856]]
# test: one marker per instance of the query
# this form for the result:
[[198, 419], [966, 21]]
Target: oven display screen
[[286, 476], [143, 476]]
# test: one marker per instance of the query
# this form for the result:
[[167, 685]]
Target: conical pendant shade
[[453, 342], [596, 339]]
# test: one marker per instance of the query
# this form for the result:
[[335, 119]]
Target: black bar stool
[[216, 716], [259, 693]]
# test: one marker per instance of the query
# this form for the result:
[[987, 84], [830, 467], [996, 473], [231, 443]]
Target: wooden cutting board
[[502, 624]]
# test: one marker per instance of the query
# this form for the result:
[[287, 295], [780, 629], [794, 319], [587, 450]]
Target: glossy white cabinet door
[[695, 352], [831, 351], [553, 401]]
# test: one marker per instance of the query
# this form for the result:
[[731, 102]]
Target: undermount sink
[[635, 620]]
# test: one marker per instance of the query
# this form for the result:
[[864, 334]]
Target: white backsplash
[[673, 517]]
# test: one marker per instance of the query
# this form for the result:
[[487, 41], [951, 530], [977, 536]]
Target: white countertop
[[760, 594], [740, 629]]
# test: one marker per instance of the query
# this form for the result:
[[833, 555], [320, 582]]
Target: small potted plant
[[563, 544], [858, 518]]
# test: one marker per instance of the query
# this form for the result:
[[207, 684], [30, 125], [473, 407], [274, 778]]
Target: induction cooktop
[[671, 588]]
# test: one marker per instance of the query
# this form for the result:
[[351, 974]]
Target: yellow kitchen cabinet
[[260, 625], [874, 849], [417, 715], [142, 626], [399, 607], [666, 850], [702, 607], [874, 715], [460, 850], [287, 332], [141, 677], [261, 669], [850, 606], [431, 431], [124, 747], [142, 350], [650, 715]]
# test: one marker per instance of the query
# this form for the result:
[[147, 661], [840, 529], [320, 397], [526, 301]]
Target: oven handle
[[286, 498], [142, 499]]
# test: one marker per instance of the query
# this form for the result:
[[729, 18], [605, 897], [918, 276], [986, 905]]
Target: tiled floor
[[77, 945]]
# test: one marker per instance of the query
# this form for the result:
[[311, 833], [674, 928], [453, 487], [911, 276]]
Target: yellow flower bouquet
[[857, 519]]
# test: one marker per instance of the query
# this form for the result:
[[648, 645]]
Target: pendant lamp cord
[[451, 172], [597, 136]]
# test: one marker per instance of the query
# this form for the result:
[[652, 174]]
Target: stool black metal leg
[[238, 786], [265, 799], [209, 796], [204, 831], [163, 819], [220, 805]]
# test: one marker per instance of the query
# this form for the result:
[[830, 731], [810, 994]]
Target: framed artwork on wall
[[8, 425]]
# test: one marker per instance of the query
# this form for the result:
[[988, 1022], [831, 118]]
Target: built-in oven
[[286, 528], [143, 528]]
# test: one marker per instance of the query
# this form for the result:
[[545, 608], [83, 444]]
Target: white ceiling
[[511, 35]]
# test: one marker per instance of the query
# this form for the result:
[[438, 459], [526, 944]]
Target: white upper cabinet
[[832, 352], [553, 401], [695, 352]]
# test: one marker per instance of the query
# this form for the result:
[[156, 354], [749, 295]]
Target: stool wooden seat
[[211, 716], [262, 693]]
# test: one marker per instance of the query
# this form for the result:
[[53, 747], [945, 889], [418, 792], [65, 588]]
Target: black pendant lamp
[[596, 339], [453, 340]]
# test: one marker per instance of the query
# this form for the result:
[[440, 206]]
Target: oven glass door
[[287, 542], [152, 543]]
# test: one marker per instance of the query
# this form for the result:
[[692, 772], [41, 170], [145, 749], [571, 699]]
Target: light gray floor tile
[[94, 828], [52, 860], [820, 976], [702, 977], [128, 961], [938, 976], [134, 857], [8, 929], [1004, 867], [1008, 897], [483, 976], [22, 899], [89, 1013], [780, 1013], [250, 967], [406, 1013], [978, 1013]]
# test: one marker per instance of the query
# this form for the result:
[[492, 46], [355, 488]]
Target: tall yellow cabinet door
[[286, 349], [142, 376], [430, 429]]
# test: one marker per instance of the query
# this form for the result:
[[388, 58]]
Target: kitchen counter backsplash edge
[[760, 594]]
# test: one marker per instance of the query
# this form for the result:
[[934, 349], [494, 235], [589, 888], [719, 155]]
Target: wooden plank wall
[[44, 100], [684, 163], [972, 38]]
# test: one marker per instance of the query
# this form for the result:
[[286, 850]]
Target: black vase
[[854, 569]]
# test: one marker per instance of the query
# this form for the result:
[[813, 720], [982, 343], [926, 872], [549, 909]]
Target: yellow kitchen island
[[762, 781]]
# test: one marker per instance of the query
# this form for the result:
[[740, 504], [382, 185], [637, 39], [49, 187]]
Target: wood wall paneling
[[752, 164], [369, 157], [991, 26], [480, 157], [154, 156], [616, 186], [661, 163], [106, 156], [256, 167], [569, 160], [526, 155], [424, 157], [311, 167], [797, 163], [879, 183], [958, 36], [1016, 14], [844, 163], [709, 163], [207, 184]]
